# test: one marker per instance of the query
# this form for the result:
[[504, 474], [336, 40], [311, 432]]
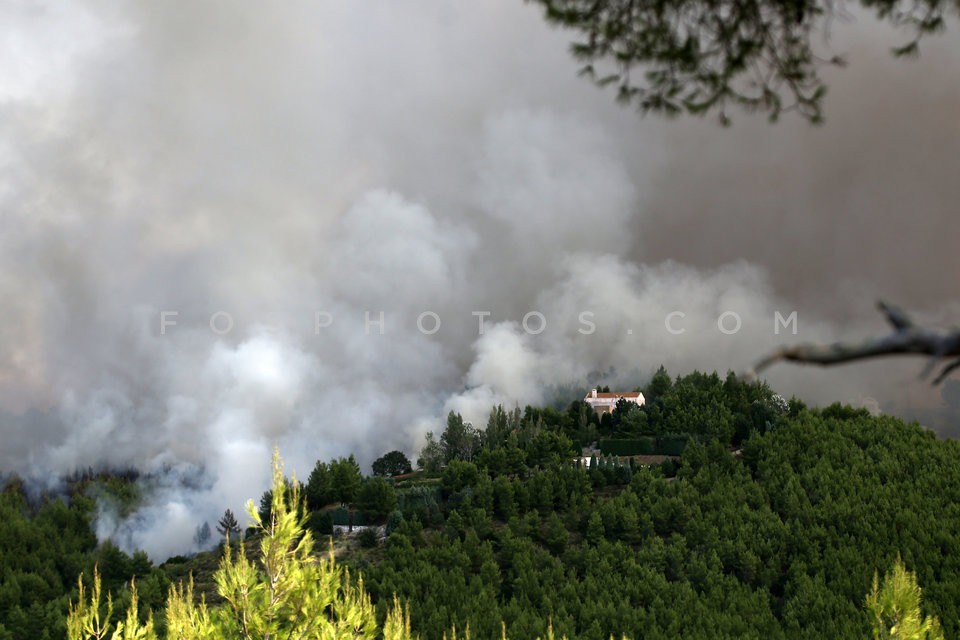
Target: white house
[[605, 402]]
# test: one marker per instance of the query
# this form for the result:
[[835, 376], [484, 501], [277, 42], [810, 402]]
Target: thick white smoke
[[171, 171]]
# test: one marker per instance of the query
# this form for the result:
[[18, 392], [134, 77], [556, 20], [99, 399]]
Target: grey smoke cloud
[[432, 157]]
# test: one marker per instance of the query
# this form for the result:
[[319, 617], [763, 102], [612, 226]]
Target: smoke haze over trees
[[427, 158], [786, 536]]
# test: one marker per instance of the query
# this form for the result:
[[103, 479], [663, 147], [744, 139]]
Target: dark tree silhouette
[[907, 339], [228, 523], [700, 56], [202, 534], [394, 463]]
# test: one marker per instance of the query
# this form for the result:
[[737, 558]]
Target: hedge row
[[668, 445]]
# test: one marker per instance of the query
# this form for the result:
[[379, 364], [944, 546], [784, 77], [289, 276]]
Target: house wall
[[607, 403]]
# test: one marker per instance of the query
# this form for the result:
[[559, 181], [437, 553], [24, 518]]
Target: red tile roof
[[629, 394]]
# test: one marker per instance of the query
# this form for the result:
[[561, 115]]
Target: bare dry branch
[[907, 339]]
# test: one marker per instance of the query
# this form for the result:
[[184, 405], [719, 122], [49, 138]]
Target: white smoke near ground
[[206, 208]]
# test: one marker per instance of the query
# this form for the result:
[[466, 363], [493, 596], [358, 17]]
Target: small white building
[[350, 532], [605, 402]]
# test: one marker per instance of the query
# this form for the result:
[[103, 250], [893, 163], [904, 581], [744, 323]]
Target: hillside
[[772, 524]]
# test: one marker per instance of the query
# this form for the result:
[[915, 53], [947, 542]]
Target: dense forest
[[47, 540], [771, 519]]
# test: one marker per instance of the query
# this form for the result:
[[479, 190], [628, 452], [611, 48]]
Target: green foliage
[[376, 498], [345, 479], [228, 525], [500, 425], [320, 523], [555, 535], [120, 492], [421, 503], [459, 441], [319, 489], [699, 405], [595, 530], [288, 593], [368, 538], [660, 384], [548, 447], [695, 57], [432, 456], [46, 543], [394, 520], [778, 541], [839, 411], [644, 445], [340, 481], [92, 620], [625, 417], [895, 608], [266, 504], [459, 475], [671, 445], [267, 500], [394, 463]]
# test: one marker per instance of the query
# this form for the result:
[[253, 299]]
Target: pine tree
[[895, 607], [555, 535], [92, 620], [319, 492], [202, 534], [289, 592], [345, 479], [228, 524], [595, 530]]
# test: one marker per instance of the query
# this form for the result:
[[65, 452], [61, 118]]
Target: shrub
[[368, 537]]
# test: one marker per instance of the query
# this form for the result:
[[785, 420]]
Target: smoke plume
[[225, 226]]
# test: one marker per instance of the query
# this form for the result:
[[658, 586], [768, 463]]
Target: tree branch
[[907, 339]]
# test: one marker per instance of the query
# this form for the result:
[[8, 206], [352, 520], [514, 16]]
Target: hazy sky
[[424, 157]]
